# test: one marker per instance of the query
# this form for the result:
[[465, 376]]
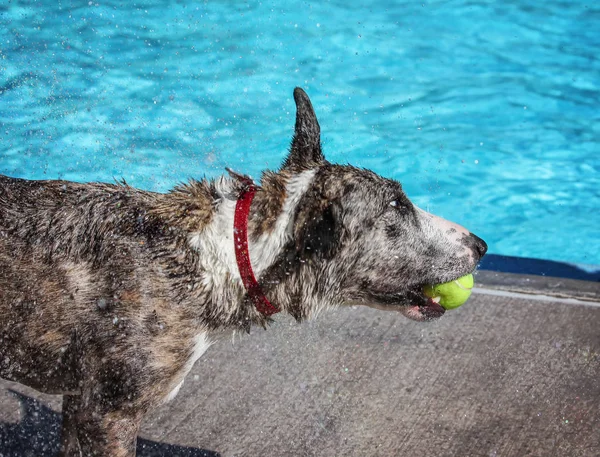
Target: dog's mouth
[[422, 307], [419, 307], [413, 303]]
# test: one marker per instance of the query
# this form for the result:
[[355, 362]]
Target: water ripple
[[487, 112]]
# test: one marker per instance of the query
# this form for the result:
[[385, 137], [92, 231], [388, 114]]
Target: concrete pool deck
[[514, 372]]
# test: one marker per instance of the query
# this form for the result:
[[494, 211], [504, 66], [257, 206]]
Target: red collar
[[242, 255]]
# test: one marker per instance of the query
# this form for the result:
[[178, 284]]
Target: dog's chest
[[200, 344]]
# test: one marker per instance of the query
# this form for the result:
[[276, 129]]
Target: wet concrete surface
[[500, 376]]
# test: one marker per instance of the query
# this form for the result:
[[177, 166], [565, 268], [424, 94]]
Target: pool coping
[[530, 284]]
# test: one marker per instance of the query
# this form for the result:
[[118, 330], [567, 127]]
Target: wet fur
[[108, 294]]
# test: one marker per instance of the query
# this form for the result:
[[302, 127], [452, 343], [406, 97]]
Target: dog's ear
[[305, 151], [316, 232]]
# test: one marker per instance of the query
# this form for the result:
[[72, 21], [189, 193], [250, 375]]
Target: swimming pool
[[487, 113]]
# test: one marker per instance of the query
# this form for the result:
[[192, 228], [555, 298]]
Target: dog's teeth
[[436, 299]]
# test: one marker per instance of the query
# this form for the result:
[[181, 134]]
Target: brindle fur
[[103, 293]]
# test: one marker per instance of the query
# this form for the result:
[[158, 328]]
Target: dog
[[109, 294]]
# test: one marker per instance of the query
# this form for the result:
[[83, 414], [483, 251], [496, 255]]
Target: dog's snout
[[479, 245]]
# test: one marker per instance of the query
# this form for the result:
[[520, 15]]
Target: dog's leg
[[107, 434], [69, 444]]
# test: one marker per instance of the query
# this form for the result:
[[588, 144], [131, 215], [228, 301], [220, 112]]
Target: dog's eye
[[400, 205]]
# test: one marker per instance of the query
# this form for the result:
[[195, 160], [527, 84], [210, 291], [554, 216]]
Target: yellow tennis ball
[[451, 294]]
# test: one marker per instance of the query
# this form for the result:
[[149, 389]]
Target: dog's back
[[67, 220]]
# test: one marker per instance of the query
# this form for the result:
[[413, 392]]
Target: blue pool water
[[487, 112]]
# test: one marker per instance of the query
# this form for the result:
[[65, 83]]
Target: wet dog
[[109, 294]]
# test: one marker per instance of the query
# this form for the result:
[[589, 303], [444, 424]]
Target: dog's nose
[[480, 245]]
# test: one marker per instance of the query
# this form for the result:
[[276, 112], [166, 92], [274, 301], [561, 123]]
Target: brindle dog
[[109, 294]]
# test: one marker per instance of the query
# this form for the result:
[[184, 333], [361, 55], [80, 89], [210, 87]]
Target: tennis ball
[[451, 294]]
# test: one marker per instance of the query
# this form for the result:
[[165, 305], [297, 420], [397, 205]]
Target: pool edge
[[551, 286]]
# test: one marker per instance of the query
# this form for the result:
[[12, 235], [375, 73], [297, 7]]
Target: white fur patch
[[171, 395], [265, 250], [201, 344], [215, 242], [216, 245]]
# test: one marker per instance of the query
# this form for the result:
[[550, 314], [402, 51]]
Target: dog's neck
[[267, 240], [271, 224]]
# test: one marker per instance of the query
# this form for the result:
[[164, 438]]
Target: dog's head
[[363, 234]]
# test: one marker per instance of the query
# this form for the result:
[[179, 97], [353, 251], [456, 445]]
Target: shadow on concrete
[[529, 266], [38, 435]]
